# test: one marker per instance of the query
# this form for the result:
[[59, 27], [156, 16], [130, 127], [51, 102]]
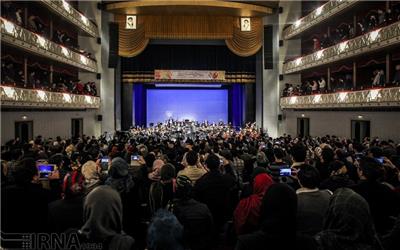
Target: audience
[[277, 223], [285, 190]]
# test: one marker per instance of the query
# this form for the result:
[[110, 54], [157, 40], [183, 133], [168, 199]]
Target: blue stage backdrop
[[192, 104]]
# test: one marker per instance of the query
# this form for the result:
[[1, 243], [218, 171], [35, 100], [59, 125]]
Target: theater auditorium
[[200, 125]]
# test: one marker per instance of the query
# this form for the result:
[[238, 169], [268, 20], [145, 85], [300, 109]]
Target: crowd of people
[[190, 185], [343, 82], [12, 74], [13, 12], [344, 31]]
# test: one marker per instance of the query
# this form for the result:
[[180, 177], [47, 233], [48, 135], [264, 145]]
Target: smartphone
[[44, 170], [379, 159], [134, 157], [358, 156], [285, 172], [221, 162], [104, 163]]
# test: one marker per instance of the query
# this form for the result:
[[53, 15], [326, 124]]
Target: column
[[328, 76], [388, 67], [26, 71], [354, 75]]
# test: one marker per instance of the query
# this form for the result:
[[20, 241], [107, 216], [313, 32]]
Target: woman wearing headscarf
[[92, 176], [102, 215], [277, 223], [247, 213], [348, 224], [120, 180]]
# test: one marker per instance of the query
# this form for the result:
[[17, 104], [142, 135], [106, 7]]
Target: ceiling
[[192, 7]]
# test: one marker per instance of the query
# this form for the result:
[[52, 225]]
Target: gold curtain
[[246, 43], [133, 42]]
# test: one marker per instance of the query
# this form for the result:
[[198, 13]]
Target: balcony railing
[[374, 40], [386, 97], [17, 36], [32, 98], [65, 10], [318, 15]]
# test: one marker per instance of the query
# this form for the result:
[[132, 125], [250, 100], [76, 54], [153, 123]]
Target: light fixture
[[342, 46], [317, 98], [186, 85], [9, 26], [65, 51], [318, 11], [88, 99], [67, 97], [41, 94], [41, 41], [293, 100], [66, 6], [84, 19], [319, 54], [9, 91], [84, 59], [373, 35], [24, 117], [342, 96], [297, 23], [303, 115], [360, 117], [374, 94]]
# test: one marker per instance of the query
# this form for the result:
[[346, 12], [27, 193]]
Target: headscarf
[[165, 232], [348, 223], [154, 175], [119, 177], [247, 212], [92, 178], [102, 213]]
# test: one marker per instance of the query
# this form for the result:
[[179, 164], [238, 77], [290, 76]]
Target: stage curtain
[[133, 42]]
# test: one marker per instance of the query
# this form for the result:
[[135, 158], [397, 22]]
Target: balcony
[[386, 97], [317, 16], [32, 98], [22, 38], [374, 40], [72, 15]]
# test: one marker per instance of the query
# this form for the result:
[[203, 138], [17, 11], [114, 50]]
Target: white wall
[[49, 123], [385, 125]]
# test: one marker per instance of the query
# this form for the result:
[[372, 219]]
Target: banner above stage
[[199, 75]]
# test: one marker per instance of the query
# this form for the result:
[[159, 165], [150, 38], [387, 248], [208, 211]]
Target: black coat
[[263, 241], [384, 203], [65, 214], [197, 223], [216, 191], [24, 208]]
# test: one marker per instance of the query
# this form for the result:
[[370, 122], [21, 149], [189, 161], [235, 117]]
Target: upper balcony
[[22, 38], [72, 15], [374, 40], [33, 98], [372, 98], [317, 16]]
